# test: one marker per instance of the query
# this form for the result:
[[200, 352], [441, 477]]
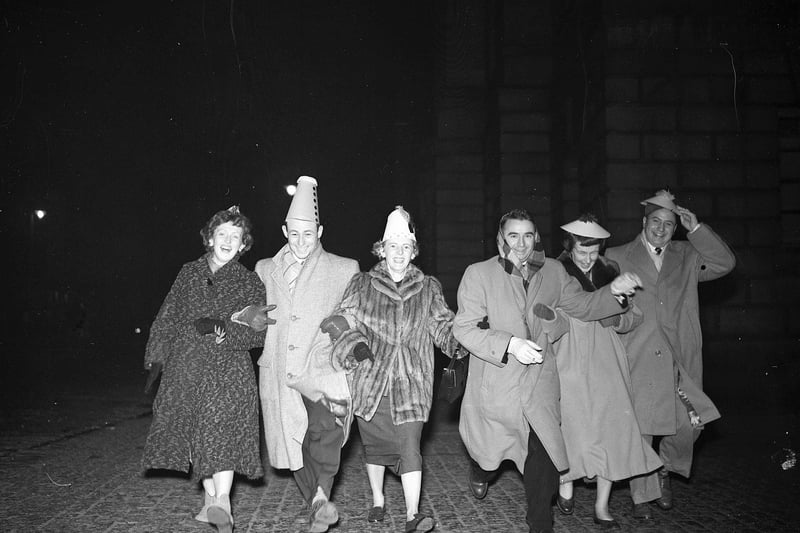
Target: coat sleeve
[[167, 322], [630, 319], [440, 320], [488, 344], [586, 306], [240, 336], [715, 258], [342, 351]]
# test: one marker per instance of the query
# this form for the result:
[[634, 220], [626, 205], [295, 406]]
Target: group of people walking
[[585, 367]]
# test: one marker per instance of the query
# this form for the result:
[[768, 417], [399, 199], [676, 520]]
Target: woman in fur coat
[[598, 422], [395, 315]]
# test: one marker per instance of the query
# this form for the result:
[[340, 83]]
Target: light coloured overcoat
[[669, 340], [504, 398], [292, 341]]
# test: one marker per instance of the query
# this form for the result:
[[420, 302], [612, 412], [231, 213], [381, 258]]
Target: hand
[[337, 407], [525, 351], [152, 375], [688, 219], [484, 323], [334, 326], [220, 333], [256, 316], [625, 284], [361, 351]]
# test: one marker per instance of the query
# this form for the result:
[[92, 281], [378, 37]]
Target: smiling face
[[659, 227], [398, 253], [302, 236], [225, 243], [520, 236], [584, 257]]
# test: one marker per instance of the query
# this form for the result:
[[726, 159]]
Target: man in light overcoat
[[510, 408], [304, 432], [665, 351]]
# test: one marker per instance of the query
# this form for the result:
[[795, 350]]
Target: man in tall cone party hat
[[665, 351], [305, 402]]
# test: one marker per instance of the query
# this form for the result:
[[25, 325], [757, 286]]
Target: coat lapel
[[639, 257]]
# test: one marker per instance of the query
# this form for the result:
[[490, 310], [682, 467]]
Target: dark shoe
[[323, 515], [478, 488], [665, 501], [376, 514], [606, 524], [641, 511], [566, 506], [421, 523]]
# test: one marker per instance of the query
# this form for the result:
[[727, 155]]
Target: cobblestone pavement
[[74, 467]]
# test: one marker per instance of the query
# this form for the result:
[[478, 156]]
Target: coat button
[[291, 347], [658, 353], [289, 376], [294, 317]]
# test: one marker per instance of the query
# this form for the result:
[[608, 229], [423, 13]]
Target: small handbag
[[454, 379]]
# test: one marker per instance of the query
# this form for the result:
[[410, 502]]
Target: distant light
[[40, 213], [291, 189], [137, 330]]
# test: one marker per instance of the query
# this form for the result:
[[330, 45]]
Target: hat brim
[[592, 230], [662, 202]]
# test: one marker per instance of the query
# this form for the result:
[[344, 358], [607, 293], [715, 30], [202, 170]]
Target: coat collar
[[410, 285], [602, 273], [309, 265]]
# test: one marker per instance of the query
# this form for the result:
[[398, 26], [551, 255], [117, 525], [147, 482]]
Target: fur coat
[[400, 322]]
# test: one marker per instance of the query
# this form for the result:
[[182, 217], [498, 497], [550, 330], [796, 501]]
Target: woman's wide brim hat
[[589, 229], [662, 200]]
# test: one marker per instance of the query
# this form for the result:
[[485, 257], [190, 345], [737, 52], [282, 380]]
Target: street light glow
[[40, 213], [291, 189]]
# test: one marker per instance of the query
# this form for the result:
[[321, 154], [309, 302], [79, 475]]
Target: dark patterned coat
[[205, 414], [400, 323]]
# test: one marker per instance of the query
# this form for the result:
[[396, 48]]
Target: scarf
[[512, 266]]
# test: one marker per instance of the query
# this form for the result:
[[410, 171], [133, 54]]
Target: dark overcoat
[[205, 413]]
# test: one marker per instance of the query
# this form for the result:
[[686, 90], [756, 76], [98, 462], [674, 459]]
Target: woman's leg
[[375, 473], [223, 481], [601, 500], [412, 486], [219, 513]]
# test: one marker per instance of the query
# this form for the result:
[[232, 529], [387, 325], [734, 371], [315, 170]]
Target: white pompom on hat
[[663, 199], [586, 228], [304, 204], [397, 225]]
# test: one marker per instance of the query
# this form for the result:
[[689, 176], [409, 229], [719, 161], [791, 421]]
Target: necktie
[[291, 271], [659, 250]]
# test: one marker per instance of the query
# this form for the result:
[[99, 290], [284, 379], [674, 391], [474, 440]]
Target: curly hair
[[235, 217]]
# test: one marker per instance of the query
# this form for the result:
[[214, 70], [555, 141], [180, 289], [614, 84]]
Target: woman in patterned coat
[[205, 414], [396, 314]]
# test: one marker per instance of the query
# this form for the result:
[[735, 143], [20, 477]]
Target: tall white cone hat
[[304, 204]]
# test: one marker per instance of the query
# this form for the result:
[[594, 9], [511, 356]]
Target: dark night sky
[[132, 123]]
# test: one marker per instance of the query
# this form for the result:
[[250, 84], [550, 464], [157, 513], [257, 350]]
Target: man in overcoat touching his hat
[[665, 351]]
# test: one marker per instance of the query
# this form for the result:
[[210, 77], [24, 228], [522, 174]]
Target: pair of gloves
[[335, 326]]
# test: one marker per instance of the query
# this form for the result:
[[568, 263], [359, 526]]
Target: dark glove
[[152, 376], [484, 324], [334, 326], [206, 326], [361, 351], [256, 316]]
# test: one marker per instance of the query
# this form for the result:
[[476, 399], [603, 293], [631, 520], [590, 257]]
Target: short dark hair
[[516, 214], [234, 217], [570, 239]]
